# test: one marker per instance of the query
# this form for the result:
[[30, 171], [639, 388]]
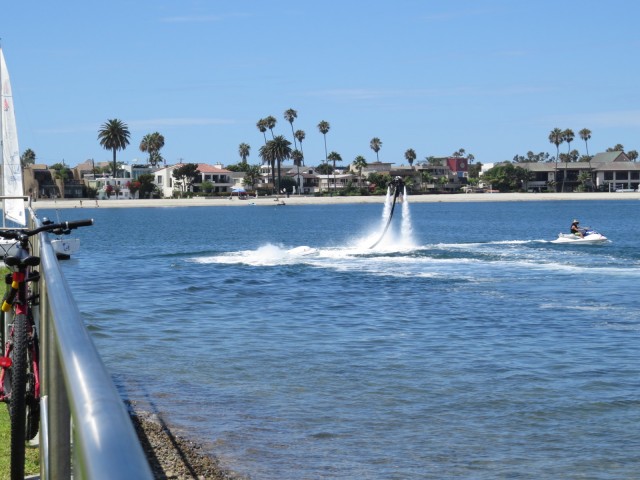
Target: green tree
[[568, 137], [506, 177], [290, 115], [334, 157], [298, 158], [271, 122], [378, 182], [376, 145], [300, 136], [585, 134], [147, 188], [277, 150], [324, 128], [324, 169], [287, 184], [243, 150], [28, 157], [556, 137], [359, 163], [62, 173], [633, 155], [262, 126], [114, 136], [410, 156], [252, 176], [617, 148], [185, 176], [152, 143]]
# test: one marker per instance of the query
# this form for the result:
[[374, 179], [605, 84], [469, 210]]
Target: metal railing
[[86, 432]]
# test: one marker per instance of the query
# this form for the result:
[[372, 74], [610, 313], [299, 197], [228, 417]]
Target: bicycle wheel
[[32, 400], [17, 403]]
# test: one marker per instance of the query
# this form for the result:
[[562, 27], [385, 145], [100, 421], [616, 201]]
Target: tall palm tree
[[410, 155], [243, 151], [279, 149], [300, 136], [376, 145], [556, 137], [585, 134], [324, 128], [262, 126], [568, 137], [152, 143], [359, 163], [335, 157], [270, 122], [290, 115], [266, 153], [114, 135], [297, 158]]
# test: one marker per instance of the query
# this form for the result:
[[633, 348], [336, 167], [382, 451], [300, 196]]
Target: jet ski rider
[[575, 229]]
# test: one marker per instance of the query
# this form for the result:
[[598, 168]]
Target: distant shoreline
[[304, 200]]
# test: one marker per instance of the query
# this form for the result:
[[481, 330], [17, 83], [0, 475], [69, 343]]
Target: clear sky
[[491, 76]]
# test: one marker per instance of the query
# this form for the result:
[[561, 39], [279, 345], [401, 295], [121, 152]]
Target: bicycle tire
[[18, 404], [32, 402]]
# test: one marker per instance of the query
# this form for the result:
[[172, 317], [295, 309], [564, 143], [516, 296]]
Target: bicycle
[[20, 363]]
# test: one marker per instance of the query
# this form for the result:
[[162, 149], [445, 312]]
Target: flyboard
[[397, 188]]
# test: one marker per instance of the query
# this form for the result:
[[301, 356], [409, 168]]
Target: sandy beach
[[309, 200]]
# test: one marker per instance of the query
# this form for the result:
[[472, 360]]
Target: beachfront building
[[220, 178], [607, 171]]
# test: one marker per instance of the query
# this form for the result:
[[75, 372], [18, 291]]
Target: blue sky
[[491, 76]]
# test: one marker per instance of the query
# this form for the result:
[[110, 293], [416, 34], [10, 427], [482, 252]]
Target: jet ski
[[589, 236]]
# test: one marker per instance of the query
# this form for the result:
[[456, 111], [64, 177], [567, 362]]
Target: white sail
[[11, 168]]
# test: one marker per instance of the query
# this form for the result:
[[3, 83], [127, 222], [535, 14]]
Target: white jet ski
[[589, 236]]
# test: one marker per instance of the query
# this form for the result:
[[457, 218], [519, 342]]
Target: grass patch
[[32, 460]]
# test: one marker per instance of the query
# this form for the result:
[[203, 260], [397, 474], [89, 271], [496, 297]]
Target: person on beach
[[575, 228]]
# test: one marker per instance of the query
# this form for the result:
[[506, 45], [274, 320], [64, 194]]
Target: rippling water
[[464, 346]]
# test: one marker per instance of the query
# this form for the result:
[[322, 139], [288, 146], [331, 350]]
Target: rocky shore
[[172, 457]]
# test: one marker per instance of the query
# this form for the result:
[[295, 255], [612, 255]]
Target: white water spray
[[406, 230]]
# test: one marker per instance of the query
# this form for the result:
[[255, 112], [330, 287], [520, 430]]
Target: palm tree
[[28, 157], [114, 136], [262, 126], [300, 136], [277, 150], [585, 134], [243, 151], [297, 158], [376, 145], [324, 128], [290, 115], [410, 155], [152, 143], [556, 137], [632, 155], [359, 163], [335, 157], [568, 137], [267, 158], [270, 122]]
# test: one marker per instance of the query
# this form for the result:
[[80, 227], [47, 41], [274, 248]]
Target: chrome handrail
[[79, 400]]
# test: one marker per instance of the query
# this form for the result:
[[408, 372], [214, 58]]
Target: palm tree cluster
[[114, 135], [558, 137]]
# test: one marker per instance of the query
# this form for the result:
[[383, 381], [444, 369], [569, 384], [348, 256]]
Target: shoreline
[[308, 200]]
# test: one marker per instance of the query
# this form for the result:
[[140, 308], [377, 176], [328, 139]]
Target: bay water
[[465, 345]]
